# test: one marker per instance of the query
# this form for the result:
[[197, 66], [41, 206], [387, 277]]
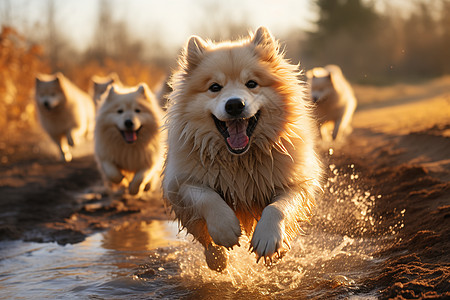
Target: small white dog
[[334, 100], [128, 142], [66, 112]]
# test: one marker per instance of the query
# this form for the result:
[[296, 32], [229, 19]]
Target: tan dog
[[240, 147], [334, 99], [100, 86], [66, 113], [128, 142]]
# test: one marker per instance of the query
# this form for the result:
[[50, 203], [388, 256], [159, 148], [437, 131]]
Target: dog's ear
[[310, 74], [194, 51], [262, 37], [58, 76], [60, 81], [110, 92], [145, 91], [142, 88], [267, 45], [113, 77]]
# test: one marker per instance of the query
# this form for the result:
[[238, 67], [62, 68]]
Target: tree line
[[370, 46], [376, 48]]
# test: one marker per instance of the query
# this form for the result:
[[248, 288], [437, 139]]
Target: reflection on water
[[101, 265], [147, 260]]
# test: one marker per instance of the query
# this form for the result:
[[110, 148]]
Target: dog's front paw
[[223, 227], [134, 188], [269, 236], [112, 173], [66, 157]]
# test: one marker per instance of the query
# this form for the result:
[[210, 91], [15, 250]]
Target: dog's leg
[[270, 234], [139, 180], [319, 130], [63, 149], [70, 139], [337, 124], [347, 119], [111, 172], [221, 221], [146, 179]]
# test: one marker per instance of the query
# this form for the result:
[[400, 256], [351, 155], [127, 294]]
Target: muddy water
[[150, 260]]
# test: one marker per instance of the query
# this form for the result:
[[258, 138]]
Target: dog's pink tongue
[[130, 136], [237, 130]]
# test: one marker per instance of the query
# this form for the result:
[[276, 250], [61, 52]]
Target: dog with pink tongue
[[241, 138], [128, 141]]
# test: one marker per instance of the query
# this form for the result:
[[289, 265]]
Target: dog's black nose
[[47, 105], [234, 106], [129, 124], [315, 98]]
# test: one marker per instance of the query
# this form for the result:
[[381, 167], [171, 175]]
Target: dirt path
[[401, 149], [43, 199]]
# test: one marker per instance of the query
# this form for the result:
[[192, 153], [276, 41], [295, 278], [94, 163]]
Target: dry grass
[[21, 61]]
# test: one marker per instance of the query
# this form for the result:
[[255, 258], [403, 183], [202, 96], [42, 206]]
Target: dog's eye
[[251, 84], [119, 111], [215, 87], [137, 110]]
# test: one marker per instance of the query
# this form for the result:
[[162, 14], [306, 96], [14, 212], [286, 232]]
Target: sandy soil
[[400, 145]]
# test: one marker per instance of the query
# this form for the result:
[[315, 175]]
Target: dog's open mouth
[[130, 136], [237, 132]]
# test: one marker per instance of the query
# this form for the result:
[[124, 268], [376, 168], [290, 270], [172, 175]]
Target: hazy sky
[[174, 20]]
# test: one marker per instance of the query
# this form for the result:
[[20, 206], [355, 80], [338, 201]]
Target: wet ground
[[381, 229]]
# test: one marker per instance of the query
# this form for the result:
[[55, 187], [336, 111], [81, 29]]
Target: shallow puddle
[[151, 260]]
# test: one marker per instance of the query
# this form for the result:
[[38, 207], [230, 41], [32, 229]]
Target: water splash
[[333, 258]]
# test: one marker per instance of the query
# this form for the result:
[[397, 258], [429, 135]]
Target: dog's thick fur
[[100, 85], [263, 184], [66, 112], [334, 100], [128, 141]]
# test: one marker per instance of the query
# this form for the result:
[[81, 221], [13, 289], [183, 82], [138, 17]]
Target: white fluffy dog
[[334, 100], [66, 112], [240, 147], [128, 142]]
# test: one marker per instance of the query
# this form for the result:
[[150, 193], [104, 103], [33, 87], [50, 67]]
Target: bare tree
[[103, 38], [219, 24], [5, 12], [53, 36]]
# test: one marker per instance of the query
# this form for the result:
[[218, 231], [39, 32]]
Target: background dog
[[66, 112], [128, 141], [100, 86], [163, 92], [240, 147], [334, 100]]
